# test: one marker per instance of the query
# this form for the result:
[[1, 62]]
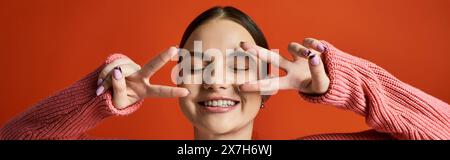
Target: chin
[[218, 125], [217, 118]]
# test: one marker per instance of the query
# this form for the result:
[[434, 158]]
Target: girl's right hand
[[130, 83]]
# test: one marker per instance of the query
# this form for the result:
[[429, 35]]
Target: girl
[[320, 72]]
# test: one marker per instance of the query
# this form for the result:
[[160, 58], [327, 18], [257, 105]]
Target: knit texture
[[393, 109]]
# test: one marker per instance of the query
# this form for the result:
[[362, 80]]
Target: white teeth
[[219, 103]]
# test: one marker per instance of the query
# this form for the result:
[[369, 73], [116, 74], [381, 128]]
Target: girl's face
[[217, 106]]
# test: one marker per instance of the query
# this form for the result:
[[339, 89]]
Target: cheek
[[187, 103], [251, 106], [242, 77], [252, 75], [187, 78], [193, 89]]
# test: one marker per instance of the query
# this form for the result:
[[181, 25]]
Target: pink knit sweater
[[393, 109]]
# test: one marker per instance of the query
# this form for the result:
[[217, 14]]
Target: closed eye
[[237, 69], [239, 61], [196, 70]]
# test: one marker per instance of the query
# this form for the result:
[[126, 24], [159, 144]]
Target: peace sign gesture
[[305, 73], [130, 83]]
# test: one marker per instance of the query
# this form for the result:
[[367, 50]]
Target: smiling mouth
[[223, 103], [218, 105]]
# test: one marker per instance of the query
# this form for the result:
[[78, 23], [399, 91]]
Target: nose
[[216, 86], [216, 83]]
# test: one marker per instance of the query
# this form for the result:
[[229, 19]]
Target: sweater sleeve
[[392, 108], [69, 113]]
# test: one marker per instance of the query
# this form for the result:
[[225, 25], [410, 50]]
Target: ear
[[265, 98]]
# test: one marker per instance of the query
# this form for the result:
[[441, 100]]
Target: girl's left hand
[[305, 73]]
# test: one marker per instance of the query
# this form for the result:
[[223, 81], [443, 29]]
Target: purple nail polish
[[321, 48], [117, 74], [99, 90], [119, 68], [99, 82], [307, 53], [314, 59]]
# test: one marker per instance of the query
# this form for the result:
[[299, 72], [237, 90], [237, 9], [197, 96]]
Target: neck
[[243, 133]]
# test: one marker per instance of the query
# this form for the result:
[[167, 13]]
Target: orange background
[[47, 45]]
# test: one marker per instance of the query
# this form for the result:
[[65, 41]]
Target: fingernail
[[242, 45], [99, 82], [117, 73], [314, 60], [189, 92], [171, 54], [321, 48], [99, 90], [307, 53]]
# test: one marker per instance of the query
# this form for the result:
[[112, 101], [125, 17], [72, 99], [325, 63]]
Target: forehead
[[219, 34]]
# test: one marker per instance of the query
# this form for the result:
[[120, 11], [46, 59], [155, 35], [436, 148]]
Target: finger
[[120, 99], [266, 55], [314, 44], [109, 67], [166, 91], [298, 50], [157, 63], [127, 69], [319, 78], [266, 86]]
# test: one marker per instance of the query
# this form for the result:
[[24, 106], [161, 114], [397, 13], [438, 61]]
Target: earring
[[262, 105]]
